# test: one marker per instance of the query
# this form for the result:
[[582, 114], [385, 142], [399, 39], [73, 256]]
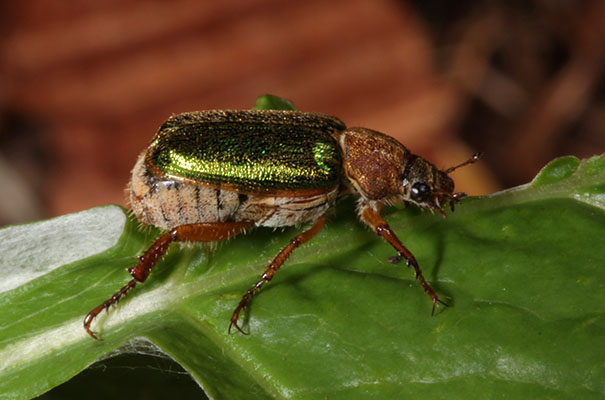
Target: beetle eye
[[420, 192]]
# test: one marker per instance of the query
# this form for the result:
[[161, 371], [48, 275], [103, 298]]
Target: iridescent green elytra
[[253, 150]]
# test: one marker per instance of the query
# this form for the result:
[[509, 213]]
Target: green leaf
[[272, 102], [522, 272]]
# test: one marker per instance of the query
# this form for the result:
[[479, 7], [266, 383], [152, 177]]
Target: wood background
[[84, 85]]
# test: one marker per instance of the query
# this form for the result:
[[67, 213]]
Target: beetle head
[[429, 187]]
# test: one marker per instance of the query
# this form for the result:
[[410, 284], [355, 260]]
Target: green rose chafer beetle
[[211, 175]]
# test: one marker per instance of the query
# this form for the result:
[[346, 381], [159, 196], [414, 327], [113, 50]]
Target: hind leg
[[201, 232]]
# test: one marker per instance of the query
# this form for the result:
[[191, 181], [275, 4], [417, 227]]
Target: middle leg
[[274, 266]]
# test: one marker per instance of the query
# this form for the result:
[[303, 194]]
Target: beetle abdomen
[[168, 203], [250, 151]]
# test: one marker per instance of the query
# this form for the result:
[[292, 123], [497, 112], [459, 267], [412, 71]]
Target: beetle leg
[[273, 267], [201, 232], [371, 217]]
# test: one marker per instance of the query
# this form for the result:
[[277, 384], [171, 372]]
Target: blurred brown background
[[84, 84]]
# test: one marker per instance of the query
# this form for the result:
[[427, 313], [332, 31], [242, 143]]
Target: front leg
[[201, 232], [370, 215]]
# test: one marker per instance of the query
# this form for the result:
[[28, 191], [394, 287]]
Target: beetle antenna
[[471, 160]]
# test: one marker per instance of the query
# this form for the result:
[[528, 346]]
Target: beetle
[[211, 175]]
